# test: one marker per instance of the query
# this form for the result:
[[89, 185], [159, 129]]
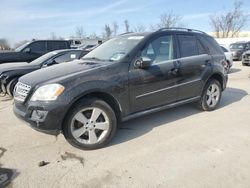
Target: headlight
[[48, 92]]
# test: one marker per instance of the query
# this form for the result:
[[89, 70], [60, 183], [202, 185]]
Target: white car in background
[[229, 56]]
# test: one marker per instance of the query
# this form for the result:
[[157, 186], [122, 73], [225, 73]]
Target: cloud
[[196, 16], [19, 14]]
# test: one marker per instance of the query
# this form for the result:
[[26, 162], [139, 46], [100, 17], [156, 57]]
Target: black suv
[[128, 76], [238, 49], [32, 50]]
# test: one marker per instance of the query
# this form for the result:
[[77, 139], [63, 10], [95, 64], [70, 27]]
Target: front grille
[[21, 91]]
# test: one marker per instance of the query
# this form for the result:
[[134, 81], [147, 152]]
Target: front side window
[[38, 47], [114, 49], [159, 50], [67, 57], [188, 45]]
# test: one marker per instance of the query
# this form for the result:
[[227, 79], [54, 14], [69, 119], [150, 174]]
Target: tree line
[[224, 24]]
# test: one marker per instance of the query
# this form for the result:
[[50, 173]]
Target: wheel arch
[[107, 97], [216, 76]]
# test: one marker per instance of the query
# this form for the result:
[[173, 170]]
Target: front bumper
[[246, 59], [43, 117]]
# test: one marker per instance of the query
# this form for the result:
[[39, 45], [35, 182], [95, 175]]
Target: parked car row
[[11, 72], [128, 76]]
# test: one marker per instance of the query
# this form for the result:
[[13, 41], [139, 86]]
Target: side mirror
[[27, 50], [143, 63]]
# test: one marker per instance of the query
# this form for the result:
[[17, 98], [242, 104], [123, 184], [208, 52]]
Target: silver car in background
[[229, 57]]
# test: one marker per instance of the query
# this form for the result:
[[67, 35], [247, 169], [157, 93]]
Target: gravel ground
[[180, 147]]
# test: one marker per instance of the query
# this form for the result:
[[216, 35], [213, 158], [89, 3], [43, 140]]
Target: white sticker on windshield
[[135, 38], [72, 56]]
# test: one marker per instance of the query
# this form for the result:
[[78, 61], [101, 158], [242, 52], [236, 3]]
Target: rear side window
[[38, 47], [211, 45], [67, 57], [188, 45], [56, 45]]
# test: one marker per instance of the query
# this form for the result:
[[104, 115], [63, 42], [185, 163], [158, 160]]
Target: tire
[[85, 129], [10, 87], [243, 64], [211, 95]]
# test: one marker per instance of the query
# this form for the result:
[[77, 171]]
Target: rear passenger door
[[194, 61]]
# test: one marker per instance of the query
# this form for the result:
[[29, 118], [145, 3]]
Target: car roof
[[164, 30], [68, 50]]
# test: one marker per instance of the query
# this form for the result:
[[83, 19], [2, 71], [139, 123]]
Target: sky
[[28, 19]]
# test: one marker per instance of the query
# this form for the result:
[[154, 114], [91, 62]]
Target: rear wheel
[[91, 124], [10, 86], [211, 95]]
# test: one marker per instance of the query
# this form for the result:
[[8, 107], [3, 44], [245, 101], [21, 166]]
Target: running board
[[157, 109]]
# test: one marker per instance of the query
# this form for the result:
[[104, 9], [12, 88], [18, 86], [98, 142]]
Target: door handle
[[174, 71], [208, 62]]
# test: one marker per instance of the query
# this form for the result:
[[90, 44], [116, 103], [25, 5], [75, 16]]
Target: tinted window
[[201, 48], [56, 45], [188, 45], [160, 49], [211, 44], [67, 57], [38, 47]]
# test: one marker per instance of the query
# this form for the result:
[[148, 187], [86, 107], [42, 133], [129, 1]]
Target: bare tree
[[127, 26], [168, 20], [4, 45], [80, 32], [115, 28], [20, 43], [107, 31], [230, 23], [139, 28], [93, 36]]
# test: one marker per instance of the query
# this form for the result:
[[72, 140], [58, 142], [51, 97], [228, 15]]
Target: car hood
[[247, 52], [6, 56], [16, 66], [236, 50], [58, 73]]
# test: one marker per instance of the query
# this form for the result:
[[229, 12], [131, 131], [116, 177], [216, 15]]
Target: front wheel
[[91, 124], [10, 87], [211, 95]]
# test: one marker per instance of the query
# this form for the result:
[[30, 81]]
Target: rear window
[[211, 45]]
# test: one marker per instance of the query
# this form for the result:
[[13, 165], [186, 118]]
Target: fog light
[[39, 115]]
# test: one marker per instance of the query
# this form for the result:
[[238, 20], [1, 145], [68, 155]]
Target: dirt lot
[[180, 147]]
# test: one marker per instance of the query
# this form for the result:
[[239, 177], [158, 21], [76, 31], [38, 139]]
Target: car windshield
[[20, 48], [114, 49], [237, 46], [43, 58]]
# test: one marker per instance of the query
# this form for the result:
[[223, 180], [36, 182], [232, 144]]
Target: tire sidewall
[[90, 102], [204, 99]]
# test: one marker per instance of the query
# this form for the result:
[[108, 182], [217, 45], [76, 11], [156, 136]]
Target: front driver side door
[[155, 85]]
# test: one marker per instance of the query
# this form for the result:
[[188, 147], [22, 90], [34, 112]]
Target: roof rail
[[181, 29], [125, 33]]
